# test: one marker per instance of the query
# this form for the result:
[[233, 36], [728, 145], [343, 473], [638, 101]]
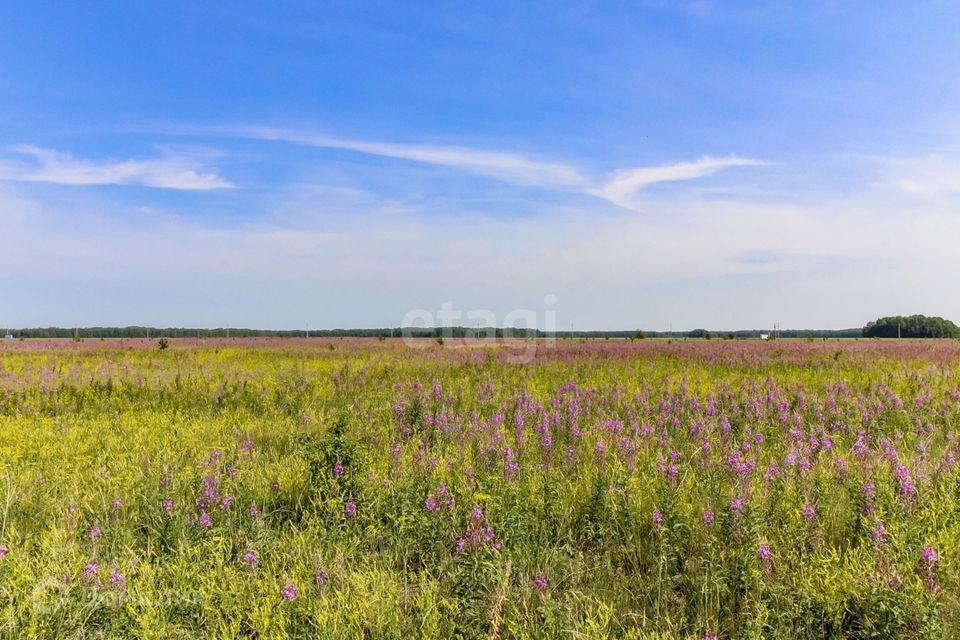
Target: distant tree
[[638, 335]]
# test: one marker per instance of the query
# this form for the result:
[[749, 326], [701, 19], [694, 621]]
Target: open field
[[359, 488]]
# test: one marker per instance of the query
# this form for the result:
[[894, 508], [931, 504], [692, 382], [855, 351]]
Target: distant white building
[[9, 336], [764, 336]]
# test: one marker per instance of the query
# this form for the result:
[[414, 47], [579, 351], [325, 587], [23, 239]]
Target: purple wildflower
[[116, 580], [930, 559], [350, 509], [764, 552], [540, 582], [289, 592], [4, 550], [94, 533], [337, 470], [90, 571], [167, 505], [254, 512], [907, 489], [809, 512], [708, 517], [250, 558], [431, 504], [205, 521], [737, 504], [657, 517]]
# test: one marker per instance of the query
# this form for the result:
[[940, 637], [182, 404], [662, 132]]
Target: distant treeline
[[418, 332], [911, 327]]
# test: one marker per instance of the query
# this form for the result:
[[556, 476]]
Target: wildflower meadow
[[354, 488]]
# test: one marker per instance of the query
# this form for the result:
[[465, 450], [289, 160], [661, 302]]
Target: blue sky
[[341, 164]]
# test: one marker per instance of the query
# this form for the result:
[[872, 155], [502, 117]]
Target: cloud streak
[[622, 188], [505, 166], [167, 172]]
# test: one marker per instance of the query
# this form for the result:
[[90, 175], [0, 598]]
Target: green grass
[[81, 428]]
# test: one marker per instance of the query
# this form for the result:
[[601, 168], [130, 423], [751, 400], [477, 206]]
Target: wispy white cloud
[[170, 171], [623, 187], [190, 171], [620, 188], [931, 176], [506, 166]]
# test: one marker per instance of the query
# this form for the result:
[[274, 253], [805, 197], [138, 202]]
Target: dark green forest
[[915, 326]]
